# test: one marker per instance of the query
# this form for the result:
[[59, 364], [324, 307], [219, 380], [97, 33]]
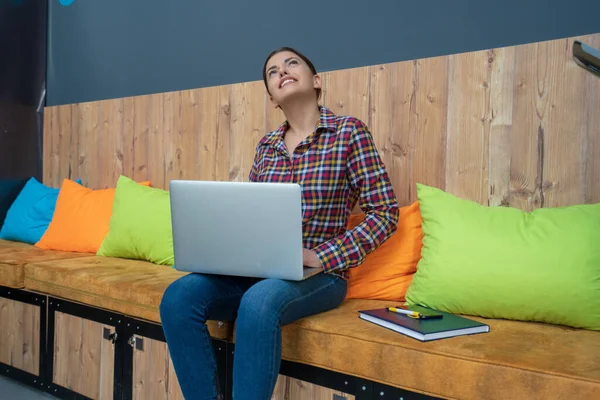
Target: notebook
[[449, 325]]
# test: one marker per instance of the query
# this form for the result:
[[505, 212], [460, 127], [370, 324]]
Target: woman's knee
[[264, 301], [181, 299]]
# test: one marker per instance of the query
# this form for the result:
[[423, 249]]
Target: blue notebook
[[449, 325]]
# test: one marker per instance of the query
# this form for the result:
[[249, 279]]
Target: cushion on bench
[[516, 360], [130, 287], [14, 256]]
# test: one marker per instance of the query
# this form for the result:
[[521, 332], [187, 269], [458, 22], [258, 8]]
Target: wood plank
[[393, 117], [110, 143], [247, 127], [156, 143], [129, 113], [141, 137], [20, 335], [213, 134], [187, 137], [150, 370], [429, 138], [347, 92], [561, 177], [83, 362], [591, 131], [530, 123], [173, 388], [465, 151], [499, 115], [88, 152], [153, 373]]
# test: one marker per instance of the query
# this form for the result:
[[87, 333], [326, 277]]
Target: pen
[[412, 314]]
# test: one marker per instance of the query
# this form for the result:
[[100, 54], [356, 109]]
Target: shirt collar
[[327, 121]]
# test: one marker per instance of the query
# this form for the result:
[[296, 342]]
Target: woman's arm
[[367, 174]]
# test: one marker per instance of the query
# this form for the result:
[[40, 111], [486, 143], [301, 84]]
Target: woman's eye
[[293, 62]]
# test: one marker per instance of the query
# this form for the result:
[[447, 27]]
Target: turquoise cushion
[[502, 262], [30, 214]]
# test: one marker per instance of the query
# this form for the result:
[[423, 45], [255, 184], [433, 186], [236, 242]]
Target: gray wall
[[116, 48], [22, 74]]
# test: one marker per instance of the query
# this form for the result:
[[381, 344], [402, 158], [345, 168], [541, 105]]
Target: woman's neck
[[302, 117]]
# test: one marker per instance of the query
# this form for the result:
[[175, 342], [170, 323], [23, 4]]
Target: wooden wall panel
[[20, 335], [516, 126], [499, 124], [466, 156], [393, 110], [590, 137]]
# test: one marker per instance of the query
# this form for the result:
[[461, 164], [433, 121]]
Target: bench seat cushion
[[516, 360], [131, 287], [14, 256]]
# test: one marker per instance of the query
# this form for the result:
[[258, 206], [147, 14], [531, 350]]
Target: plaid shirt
[[336, 166]]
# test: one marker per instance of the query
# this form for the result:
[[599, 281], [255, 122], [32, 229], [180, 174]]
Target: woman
[[336, 163]]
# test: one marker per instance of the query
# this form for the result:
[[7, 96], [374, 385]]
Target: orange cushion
[[81, 219], [387, 272]]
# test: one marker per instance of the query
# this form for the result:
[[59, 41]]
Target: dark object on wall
[[9, 190], [587, 57], [22, 86]]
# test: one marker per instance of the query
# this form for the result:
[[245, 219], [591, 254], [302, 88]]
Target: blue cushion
[[30, 214], [9, 190]]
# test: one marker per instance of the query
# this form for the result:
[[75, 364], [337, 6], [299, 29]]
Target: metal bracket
[[137, 343], [108, 335]]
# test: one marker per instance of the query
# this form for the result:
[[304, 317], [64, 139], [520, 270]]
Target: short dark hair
[[302, 56]]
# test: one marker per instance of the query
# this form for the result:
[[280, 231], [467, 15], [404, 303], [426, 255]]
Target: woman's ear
[[317, 84]]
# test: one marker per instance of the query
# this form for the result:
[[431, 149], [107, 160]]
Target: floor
[[12, 390]]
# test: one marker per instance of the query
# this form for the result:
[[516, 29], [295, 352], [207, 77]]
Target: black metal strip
[[43, 346], [64, 393], [21, 295], [84, 311], [35, 382], [229, 371], [320, 376], [21, 376], [384, 392], [220, 349], [120, 357], [49, 370], [127, 373], [144, 328], [364, 389]]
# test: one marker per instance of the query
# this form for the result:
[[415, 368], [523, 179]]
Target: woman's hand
[[310, 259]]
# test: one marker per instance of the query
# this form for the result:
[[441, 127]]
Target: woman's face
[[288, 76]]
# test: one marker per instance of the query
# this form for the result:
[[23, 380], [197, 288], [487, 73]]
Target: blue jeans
[[259, 306]]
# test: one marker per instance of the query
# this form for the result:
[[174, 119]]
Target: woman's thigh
[[289, 301], [210, 297]]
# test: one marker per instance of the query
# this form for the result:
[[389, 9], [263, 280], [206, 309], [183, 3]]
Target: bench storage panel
[[22, 318]]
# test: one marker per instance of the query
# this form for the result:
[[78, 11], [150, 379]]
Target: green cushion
[[140, 225], [501, 262]]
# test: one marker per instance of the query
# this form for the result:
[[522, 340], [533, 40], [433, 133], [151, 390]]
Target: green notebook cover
[[449, 325]]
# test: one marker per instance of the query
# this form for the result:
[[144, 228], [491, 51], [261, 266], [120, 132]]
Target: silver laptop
[[238, 228]]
